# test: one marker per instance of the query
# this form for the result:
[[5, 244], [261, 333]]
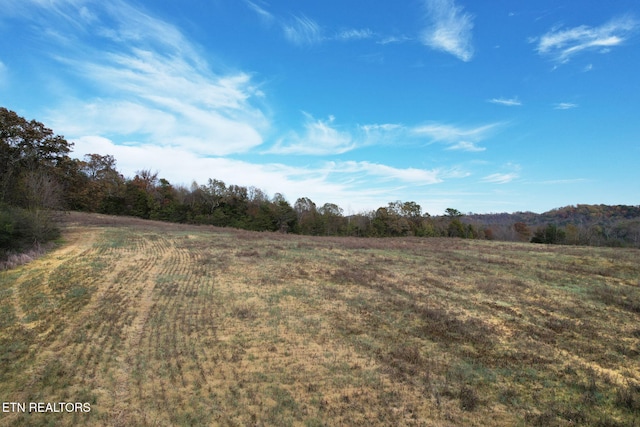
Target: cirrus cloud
[[449, 29], [500, 178], [149, 83], [565, 106], [3, 74], [512, 102], [301, 31], [562, 44], [319, 138], [457, 138]]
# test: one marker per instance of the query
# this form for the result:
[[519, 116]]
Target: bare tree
[[41, 191]]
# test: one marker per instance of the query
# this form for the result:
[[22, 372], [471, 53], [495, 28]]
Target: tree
[[380, 222], [304, 206], [309, 219], [572, 234], [41, 190], [332, 218], [488, 234], [31, 156], [147, 180], [214, 193], [258, 210], [74, 188], [411, 210], [455, 227], [256, 195], [105, 184], [453, 213], [550, 234], [138, 202], [522, 231], [165, 207], [283, 214], [235, 206], [29, 153]]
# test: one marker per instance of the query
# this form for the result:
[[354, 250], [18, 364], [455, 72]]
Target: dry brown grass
[[165, 324]]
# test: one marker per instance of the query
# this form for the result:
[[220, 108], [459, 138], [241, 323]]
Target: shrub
[[22, 229], [469, 399], [628, 397]]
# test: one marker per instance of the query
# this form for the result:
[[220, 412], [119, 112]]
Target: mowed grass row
[[158, 324]]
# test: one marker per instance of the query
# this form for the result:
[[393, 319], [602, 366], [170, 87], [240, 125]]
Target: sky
[[492, 106]]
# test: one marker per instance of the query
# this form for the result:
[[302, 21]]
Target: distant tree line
[[590, 225], [37, 177]]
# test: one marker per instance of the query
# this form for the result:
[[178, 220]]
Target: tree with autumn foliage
[[34, 167]]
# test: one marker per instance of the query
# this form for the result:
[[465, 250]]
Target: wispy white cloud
[[500, 178], [320, 137], [562, 44], [449, 30], [261, 11], [449, 133], [466, 146], [513, 102], [386, 133], [3, 74], [323, 137], [404, 175], [152, 84], [25, 7], [394, 39], [563, 181], [565, 106], [354, 34], [302, 31], [456, 138]]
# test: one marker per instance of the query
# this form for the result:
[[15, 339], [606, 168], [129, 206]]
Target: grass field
[[160, 324]]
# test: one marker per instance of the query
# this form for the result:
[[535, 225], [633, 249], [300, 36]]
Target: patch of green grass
[[7, 316], [624, 297], [78, 292]]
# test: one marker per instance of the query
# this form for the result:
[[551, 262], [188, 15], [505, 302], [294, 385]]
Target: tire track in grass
[[95, 351], [153, 357], [173, 360], [137, 285], [176, 283], [106, 320], [78, 244], [193, 335], [200, 332], [51, 358]]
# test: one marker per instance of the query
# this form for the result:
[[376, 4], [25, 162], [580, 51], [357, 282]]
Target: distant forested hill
[[612, 225]]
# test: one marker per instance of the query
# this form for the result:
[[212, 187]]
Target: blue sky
[[495, 106]]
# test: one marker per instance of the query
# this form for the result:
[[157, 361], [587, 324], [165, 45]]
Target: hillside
[[579, 214], [153, 323], [596, 225]]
